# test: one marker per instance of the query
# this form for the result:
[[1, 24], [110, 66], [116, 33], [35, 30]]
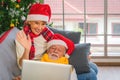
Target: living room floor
[[108, 73]]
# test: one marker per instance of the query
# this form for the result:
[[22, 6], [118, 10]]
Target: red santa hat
[[39, 12], [61, 40]]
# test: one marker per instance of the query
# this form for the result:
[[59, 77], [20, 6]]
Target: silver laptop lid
[[36, 70]]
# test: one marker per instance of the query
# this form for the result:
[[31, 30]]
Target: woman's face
[[37, 26], [56, 51]]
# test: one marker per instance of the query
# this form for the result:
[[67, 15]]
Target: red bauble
[[1, 3], [18, 1]]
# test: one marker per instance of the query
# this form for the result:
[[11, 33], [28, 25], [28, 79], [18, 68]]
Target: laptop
[[36, 70]]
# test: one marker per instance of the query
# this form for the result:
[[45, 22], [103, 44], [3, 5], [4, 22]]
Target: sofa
[[85, 69]]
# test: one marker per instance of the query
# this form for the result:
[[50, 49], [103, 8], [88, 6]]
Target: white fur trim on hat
[[34, 17], [56, 42]]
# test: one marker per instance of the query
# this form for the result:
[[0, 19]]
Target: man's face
[[37, 26], [56, 51]]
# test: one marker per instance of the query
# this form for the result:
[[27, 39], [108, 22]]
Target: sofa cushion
[[79, 58], [74, 36], [8, 64]]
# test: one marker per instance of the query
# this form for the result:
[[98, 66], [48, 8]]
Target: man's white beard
[[53, 56]]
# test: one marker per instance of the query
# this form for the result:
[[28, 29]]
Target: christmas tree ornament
[[12, 25], [17, 6], [2, 3], [18, 1], [17, 22], [29, 6], [23, 18], [13, 0]]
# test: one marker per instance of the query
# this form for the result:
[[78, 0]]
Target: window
[[116, 28], [91, 28], [93, 18]]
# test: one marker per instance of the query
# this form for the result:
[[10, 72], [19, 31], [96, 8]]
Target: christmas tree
[[14, 12]]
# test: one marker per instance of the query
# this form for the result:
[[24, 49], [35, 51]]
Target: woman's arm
[[23, 45], [24, 56]]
